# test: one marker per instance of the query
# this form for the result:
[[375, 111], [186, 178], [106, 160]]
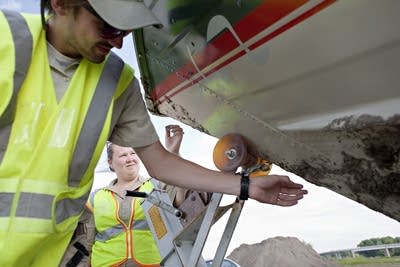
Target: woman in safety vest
[[123, 237]]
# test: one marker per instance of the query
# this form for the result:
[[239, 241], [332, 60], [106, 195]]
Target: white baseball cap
[[125, 14]]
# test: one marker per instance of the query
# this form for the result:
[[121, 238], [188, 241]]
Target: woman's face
[[125, 162]]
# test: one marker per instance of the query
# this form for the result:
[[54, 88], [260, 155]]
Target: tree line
[[379, 241]]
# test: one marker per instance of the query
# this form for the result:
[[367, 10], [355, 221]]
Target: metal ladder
[[181, 245]]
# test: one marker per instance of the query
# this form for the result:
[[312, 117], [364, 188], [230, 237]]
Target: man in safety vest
[[63, 94]]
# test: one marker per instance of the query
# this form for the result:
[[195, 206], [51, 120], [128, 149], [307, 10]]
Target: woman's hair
[[110, 153], [45, 6]]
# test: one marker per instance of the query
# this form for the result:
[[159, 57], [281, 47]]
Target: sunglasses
[[108, 31]]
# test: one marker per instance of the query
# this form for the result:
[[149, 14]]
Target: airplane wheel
[[230, 152]]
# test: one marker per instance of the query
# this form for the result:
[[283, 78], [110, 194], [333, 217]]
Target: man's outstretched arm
[[171, 169]]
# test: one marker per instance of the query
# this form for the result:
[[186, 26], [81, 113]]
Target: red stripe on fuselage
[[256, 21]]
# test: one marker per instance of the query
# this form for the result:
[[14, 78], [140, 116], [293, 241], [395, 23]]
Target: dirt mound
[[279, 252]]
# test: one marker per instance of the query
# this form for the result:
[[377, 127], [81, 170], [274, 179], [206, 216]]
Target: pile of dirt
[[279, 252]]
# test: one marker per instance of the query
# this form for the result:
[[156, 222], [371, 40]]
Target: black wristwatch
[[244, 186]]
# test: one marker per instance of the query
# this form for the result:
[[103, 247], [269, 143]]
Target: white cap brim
[[125, 14]]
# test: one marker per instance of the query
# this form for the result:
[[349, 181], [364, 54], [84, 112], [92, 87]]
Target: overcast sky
[[324, 219]]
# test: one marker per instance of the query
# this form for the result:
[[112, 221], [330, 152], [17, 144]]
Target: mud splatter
[[370, 177], [179, 113]]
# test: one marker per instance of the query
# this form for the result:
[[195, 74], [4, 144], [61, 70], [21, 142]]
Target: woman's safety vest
[[48, 150], [116, 241]]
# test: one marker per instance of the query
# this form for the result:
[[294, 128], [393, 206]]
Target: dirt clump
[[279, 252]]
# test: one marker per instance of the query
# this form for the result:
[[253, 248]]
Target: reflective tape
[[6, 200], [23, 43], [94, 120], [91, 198], [110, 233], [69, 207], [140, 225], [33, 205], [118, 229]]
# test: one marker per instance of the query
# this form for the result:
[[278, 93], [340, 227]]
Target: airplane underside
[[313, 84]]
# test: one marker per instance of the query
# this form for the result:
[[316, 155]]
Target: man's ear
[[59, 7]]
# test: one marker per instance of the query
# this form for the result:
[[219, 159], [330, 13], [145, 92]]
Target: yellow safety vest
[[48, 150], [117, 242]]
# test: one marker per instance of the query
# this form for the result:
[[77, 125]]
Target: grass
[[365, 260]]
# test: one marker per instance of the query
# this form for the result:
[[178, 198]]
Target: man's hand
[[276, 189], [173, 138]]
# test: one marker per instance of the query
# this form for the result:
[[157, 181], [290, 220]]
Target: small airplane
[[313, 84]]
